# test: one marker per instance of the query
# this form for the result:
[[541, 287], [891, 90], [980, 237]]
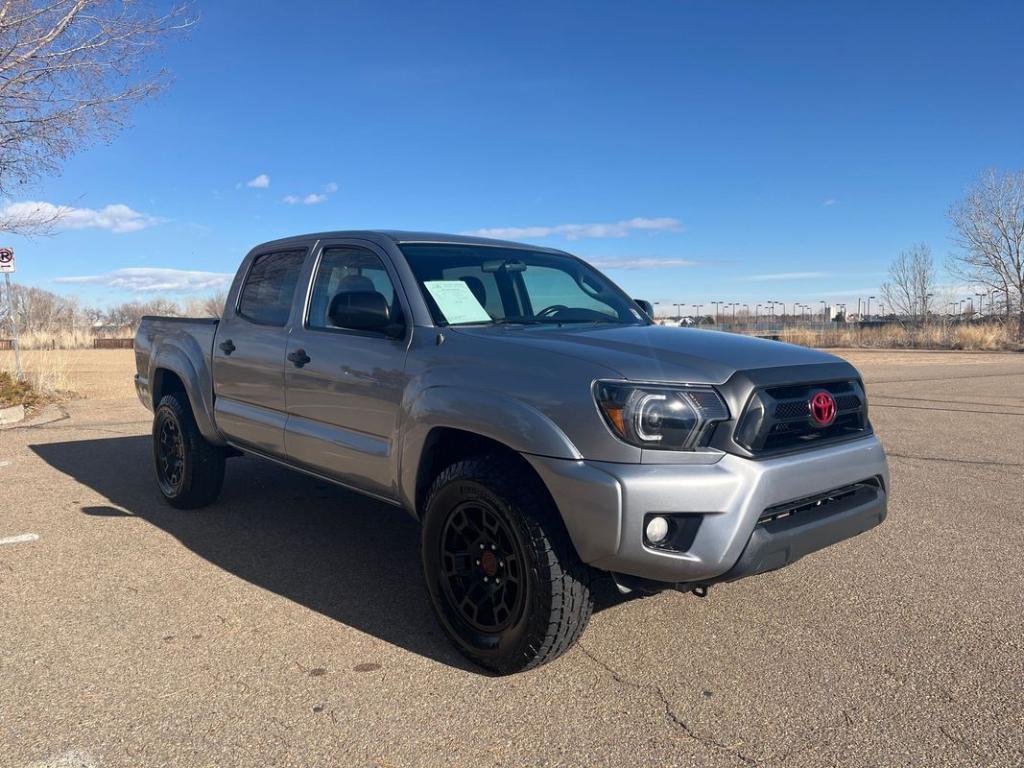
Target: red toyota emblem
[[823, 409]]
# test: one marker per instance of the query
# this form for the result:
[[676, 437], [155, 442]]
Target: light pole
[[717, 304], [698, 308]]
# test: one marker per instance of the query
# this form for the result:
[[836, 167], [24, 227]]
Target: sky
[[695, 151]]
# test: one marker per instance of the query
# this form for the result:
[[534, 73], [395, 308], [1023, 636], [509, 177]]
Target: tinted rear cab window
[[270, 287]]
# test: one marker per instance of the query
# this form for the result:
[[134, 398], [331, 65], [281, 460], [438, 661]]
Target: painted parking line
[[73, 759], [21, 538]]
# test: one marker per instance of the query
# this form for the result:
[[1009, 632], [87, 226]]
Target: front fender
[[494, 415], [196, 377]]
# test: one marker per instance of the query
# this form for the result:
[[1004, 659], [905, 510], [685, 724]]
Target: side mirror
[[363, 311], [646, 306]]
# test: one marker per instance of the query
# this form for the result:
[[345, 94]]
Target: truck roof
[[402, 236]]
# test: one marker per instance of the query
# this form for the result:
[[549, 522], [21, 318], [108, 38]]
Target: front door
[[249, 352], [344, 386]]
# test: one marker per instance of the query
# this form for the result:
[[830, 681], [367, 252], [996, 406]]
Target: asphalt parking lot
[[288, 625]]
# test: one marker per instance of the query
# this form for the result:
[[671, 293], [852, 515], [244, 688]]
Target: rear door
[[345, 386], [249, 352]]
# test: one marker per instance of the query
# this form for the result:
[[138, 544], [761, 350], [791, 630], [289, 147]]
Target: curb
[[12, 415]]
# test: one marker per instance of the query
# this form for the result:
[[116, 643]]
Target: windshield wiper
[[516, 321], [594, 322]]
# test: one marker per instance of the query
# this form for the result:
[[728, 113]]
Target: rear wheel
[[189, 470], [502, 575]]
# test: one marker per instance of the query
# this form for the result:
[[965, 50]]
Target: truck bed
[[189, 339]]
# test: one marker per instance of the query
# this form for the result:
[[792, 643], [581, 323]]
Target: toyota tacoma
[[529, 414]]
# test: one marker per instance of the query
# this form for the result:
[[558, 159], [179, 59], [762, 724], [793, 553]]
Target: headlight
[[668, 418]]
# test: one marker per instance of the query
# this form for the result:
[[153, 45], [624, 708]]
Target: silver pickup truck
[[527, 412]]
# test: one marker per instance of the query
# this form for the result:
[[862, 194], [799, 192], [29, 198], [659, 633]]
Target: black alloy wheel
[[482, 566], [170, 456]]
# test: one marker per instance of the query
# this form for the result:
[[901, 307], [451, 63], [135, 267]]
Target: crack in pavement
[[950, 402], [875, 404], [892, 455], [669, 712], [945, 378]]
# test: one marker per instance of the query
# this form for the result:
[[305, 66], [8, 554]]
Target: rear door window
[[269, 288]]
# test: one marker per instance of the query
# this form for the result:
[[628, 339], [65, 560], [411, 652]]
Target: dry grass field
[[96, 374], [991, 336]]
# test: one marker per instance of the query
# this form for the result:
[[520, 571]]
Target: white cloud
[[311, 199], [784, 276], [116, 218], [829, 202], [579, 231], [153, 279], [627, 262], [260, 182]]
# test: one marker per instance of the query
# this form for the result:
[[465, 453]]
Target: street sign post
[[7, 267]]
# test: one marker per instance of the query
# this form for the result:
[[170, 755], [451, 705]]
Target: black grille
[[822, 503], [779, 419]]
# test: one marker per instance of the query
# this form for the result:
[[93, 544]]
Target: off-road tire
[[555, 603], [200, 476]]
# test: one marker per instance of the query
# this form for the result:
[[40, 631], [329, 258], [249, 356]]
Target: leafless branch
[[911, 285], [70, 70], [989, 226]]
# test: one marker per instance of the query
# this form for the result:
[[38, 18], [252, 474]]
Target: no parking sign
[[6, 259]]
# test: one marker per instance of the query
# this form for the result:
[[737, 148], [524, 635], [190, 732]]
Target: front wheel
[[502, 575], [189, 470]]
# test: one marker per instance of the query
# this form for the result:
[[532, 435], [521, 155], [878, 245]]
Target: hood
[[657, 353]]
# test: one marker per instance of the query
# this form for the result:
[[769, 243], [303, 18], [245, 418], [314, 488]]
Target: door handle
[[227, 346], [299, 357]]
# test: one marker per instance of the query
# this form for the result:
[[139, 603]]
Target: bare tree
[[911, 285], [989, 224], [128, 314], [40, 311], [214, 305], [69, 72], [210, 306]]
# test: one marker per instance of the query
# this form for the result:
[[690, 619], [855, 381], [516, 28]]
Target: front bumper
[[604, 505]]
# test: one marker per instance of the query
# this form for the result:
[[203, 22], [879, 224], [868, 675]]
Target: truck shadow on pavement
[[346, 556]]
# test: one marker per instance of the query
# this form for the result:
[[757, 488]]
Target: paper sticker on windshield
[[456, 301]]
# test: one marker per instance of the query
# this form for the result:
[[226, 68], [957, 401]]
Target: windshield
[[474, 284]]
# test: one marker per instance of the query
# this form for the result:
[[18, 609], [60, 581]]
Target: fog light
[[657, 529]]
